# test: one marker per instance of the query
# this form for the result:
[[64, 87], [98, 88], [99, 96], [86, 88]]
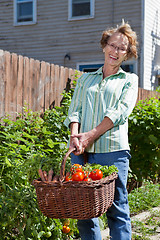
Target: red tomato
[[68, 178], [87, 179], [76, 168], [86, 174], [66, 229], [96, 174], [78, 176]]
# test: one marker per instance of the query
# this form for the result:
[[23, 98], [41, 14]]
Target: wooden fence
[[38, 85], [28, 82]]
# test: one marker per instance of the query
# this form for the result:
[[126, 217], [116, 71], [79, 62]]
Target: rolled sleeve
[[124, 106], [75, 109], [74, 117]]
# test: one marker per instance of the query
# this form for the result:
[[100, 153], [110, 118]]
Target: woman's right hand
[[74, 142]]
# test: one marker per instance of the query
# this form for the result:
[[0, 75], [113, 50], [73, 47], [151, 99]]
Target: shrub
[[30, 143], [144, 138], [34, 142]]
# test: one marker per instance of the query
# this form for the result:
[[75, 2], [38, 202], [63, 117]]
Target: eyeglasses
[[114, 47]]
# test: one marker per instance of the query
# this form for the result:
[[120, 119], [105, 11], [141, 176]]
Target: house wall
[[54, 36], [151, 43]]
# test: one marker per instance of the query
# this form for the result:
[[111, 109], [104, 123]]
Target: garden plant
[[35, 142]]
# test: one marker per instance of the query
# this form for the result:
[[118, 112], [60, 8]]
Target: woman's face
[[116, 49]]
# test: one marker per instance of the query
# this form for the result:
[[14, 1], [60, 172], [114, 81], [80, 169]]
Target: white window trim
[[70, 18], [16, 23]]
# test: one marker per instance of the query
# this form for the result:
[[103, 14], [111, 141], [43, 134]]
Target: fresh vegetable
[[81, 173], [106, 170], [89, 172], [76, 168], [68, 177], [50, 175], [41, 174], [66, 229], [87, 179], [96, 174], [78, 176], [45, 175]]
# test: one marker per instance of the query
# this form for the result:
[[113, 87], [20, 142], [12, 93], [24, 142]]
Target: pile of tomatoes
[[78, 173]]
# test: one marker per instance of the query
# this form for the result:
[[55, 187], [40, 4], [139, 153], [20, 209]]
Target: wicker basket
[[77, 200]]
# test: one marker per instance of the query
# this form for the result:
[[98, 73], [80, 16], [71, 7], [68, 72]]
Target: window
[[129, 66], [24, 12], [89, 67], [81, 9]]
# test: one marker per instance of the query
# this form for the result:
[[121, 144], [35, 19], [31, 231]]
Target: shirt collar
[[99, 71]]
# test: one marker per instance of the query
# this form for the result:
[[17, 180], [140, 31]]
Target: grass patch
[[144, 198]]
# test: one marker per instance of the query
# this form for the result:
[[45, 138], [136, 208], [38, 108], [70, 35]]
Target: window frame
[[34, 21], [92, 12]]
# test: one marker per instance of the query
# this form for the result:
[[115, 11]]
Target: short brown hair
[[125, 29]]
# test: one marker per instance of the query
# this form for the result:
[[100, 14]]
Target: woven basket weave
[[77, 200]]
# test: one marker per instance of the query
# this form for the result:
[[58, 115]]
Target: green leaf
[[154, 139], [7, 162]]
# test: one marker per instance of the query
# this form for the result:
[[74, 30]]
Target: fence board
[[13, 86], [2, 85], [20, 85], [41, 86], [61, 83], [7, 82], [47, 86], [145, 94], [26, 83], [37, 84], [32, 83], [36, 101], [56, 92], [52, 87]]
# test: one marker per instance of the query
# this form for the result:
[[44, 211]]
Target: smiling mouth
[[115, 58]]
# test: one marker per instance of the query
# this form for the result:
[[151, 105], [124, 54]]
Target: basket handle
[[62, 170]]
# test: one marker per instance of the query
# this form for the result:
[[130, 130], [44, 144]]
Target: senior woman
[[98, 120]]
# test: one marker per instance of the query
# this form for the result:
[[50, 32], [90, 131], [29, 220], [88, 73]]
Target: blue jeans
[[118, 214]]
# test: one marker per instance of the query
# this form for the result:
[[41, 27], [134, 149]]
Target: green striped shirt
[[95, 98]]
